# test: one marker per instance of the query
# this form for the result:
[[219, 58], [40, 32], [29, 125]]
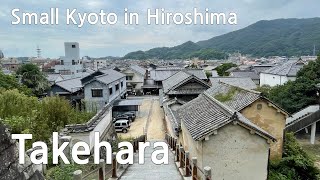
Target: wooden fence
[[101, 170], [189, 166]]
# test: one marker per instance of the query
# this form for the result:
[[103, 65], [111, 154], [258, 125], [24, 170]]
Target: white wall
[[273, 80], [137, 78], [72, 53], [233, 153], [107, 98]]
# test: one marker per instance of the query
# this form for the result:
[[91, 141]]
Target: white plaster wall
[[137, 78], [72, 53], [273, 80], [88, 137], [102, 101], [234, 153]]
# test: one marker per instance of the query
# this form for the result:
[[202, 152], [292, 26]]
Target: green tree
[[295, 164], [295, 95], [221, 70], [11, 82], [33, 78], [27, 114]]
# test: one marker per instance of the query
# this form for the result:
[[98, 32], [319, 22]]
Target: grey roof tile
[[138, 69], [240, 99], [161, 74], [243, 82], [71, 85], [246, 73], [289, 68], [174, 81], [204, 114]]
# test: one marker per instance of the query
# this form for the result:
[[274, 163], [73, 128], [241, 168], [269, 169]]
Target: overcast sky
[[117, 40]]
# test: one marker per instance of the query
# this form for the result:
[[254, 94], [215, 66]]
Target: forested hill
[[282, 37], [186, 50], [287, 37]]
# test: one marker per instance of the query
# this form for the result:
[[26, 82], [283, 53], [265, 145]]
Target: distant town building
[[281, 74], [1, 54], [135, 76], [71, 62], [11, 64]]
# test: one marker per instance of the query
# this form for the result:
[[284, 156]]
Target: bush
[[296, 164]]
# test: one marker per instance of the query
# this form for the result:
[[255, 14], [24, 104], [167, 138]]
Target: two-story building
[[103, 87], [135, 76]]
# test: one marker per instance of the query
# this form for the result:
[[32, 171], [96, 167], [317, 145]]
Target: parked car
[[122, 126], [123, 116], [131, 114]]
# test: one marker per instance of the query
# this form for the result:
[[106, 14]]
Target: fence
[[189, 166], [101, 170]]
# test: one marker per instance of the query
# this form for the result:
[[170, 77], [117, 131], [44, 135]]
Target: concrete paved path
[[149, 170]]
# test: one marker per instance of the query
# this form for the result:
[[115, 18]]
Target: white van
[[122, 125]]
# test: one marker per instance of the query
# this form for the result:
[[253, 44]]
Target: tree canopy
[[221, 70], [27, 114], [295, 95], [33, 78], [11, 82]]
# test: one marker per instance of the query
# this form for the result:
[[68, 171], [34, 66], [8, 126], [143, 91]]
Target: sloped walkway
[[149, 170]]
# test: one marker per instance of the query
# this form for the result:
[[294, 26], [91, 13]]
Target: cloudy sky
[[117, 40]]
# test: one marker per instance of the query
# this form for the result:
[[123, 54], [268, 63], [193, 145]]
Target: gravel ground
[[138, 126], [156, 129]]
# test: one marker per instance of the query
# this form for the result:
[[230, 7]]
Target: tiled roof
[[71, 85], [178, 79], [289, 68], [107, 77], [162, 74], [246, 73], [240, 99], [204, 114], [138, 69], [53, 77], [243, 82]]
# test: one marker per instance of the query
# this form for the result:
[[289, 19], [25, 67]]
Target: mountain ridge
[[282, 37]]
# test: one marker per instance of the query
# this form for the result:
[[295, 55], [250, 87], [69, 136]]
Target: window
[[259, 106], [73, 62], [117, 87], [73, 46], [96, 92], [129, 77], [121, 83], [62, 62], [110, 91]]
